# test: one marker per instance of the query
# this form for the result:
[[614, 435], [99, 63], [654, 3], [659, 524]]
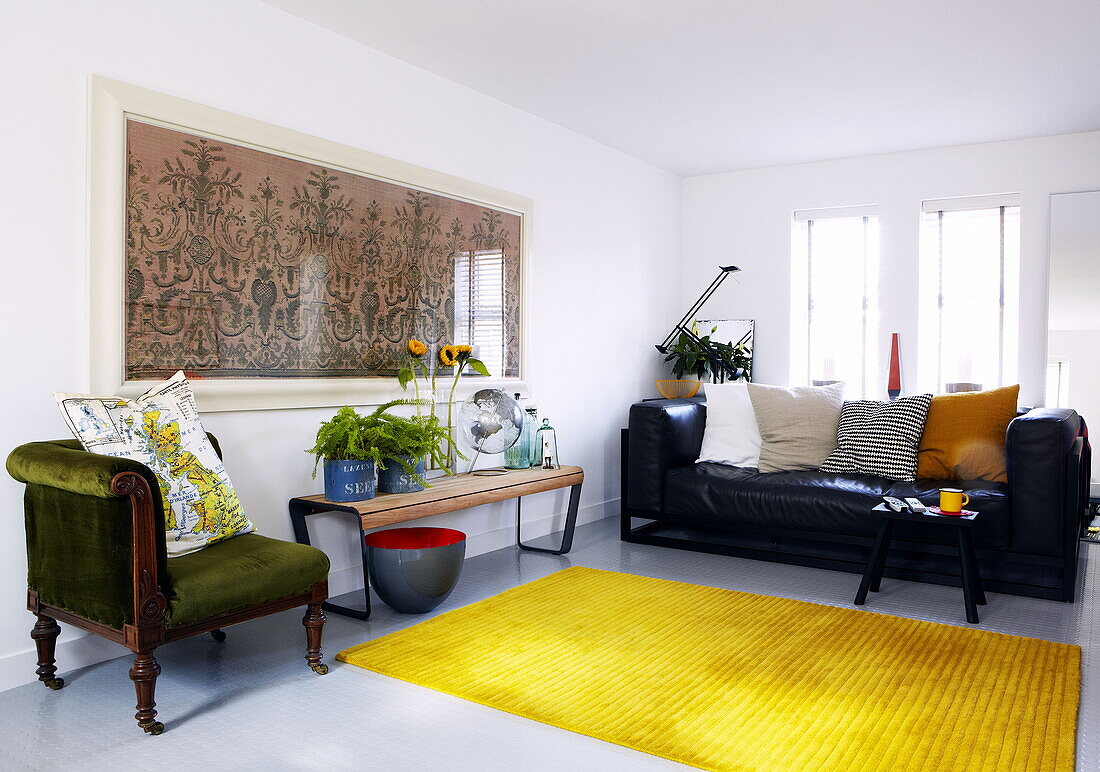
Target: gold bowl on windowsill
[[676, 389]]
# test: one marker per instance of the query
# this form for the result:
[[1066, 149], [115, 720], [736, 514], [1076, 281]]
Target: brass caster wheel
[[154, 728], [217, 635], [54, 683], [319, 667]]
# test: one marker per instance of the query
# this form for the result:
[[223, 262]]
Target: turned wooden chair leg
[[45, 634], [144, 675], [314, 621]]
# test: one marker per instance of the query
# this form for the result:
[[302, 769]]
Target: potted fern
[[346, 444], [357, 449], [405, 444]]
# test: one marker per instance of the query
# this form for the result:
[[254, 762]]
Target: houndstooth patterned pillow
[[879, 438]]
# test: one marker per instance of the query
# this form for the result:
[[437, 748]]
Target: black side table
[[973, 594]]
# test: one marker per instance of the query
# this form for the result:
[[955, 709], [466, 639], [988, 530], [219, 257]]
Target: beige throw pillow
[[797, 425]]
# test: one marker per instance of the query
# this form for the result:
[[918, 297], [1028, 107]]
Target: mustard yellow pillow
[[964, 436]]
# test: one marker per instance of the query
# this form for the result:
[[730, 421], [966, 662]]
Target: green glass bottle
[[519, 455]]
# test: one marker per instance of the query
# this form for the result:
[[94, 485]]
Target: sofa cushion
[[797, 425], [879, 438], [824, 503], [731, 435], [964, 436], [239, 572], [161, 429]]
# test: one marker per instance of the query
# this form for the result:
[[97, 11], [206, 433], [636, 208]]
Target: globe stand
[[494, 472]]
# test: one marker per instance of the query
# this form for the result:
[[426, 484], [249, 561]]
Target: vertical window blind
[[836, 252], [479, 306], [969, 258]]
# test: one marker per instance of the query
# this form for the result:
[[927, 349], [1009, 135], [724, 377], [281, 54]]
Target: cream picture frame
[[111, 103]]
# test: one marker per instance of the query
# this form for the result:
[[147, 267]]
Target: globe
[[490, 421]]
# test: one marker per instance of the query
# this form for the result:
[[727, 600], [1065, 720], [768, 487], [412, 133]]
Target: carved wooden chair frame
[[148, 630]]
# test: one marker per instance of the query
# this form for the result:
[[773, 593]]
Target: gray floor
[[251, 703]]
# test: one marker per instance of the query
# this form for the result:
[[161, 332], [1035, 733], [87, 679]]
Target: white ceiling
[[700, 86]]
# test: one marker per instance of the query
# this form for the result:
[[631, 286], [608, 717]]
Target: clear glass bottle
[[532, 411], [519, 455], [546, 441]]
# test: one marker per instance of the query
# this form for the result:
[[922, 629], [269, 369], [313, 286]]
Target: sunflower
[[448, 356], [417, 348]]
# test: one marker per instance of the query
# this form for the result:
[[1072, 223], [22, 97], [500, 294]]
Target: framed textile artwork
[[282, 270]]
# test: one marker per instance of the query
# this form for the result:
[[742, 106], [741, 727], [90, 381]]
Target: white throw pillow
[[161, 429], [731, 435]]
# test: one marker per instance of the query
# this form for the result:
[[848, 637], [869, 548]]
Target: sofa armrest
[[1044, 453], [664, 433], [95, 533], [64, 465]]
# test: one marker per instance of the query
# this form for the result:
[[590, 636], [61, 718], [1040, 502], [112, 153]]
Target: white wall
[[604, 281], [745, 218]]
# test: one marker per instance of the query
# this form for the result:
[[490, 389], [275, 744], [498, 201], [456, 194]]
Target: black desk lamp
[[720, 366]]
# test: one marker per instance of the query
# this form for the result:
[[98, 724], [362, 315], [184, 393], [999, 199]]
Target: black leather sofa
[[1026, 535]]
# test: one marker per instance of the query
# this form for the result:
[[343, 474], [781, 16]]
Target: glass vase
[[519, 455]]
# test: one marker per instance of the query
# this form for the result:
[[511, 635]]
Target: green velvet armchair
[[96, 559]]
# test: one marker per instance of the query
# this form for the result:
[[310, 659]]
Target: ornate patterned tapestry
[[243, 264]]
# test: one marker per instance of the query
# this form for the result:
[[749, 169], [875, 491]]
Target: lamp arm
[[723, 272]]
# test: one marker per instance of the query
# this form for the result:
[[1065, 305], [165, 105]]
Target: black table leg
[[872, 575], [298, 512], [570, 524], [972, 588], [880, 564]]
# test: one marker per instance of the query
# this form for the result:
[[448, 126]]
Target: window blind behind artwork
[[479, 306]]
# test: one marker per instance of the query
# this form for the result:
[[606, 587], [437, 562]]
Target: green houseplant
[[345, 443], [357, 446], [405, 444], [688, 357]]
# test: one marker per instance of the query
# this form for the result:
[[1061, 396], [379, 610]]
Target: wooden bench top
[[448, 494]]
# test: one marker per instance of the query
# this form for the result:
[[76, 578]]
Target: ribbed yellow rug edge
[[727, 680]]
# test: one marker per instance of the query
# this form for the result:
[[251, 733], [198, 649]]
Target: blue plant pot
[[349, 480], [394, 478], [413, 570]]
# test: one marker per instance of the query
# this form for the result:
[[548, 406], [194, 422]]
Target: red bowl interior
[[413, 538]]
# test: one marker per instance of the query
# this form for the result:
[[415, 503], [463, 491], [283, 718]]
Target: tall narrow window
[[479, 305], [835, 273], [970, 251], [1057, 382]]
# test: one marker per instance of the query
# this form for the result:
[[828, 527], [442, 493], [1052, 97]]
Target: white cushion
[[161, 429], [731, 435]]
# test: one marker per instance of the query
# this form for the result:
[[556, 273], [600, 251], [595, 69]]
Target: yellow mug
[[952, 500]]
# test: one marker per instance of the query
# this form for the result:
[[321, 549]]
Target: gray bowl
[[413, 570]]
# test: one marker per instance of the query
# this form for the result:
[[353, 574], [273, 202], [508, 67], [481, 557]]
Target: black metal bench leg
[[972, 589], [298, 513], [872, 575], [570, 524]]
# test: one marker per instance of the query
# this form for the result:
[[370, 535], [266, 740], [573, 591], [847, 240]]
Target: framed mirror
[[736, 332]]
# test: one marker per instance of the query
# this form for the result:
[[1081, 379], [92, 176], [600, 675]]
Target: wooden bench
[[446, 494]]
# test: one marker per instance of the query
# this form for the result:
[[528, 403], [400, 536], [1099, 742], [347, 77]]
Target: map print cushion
[[161, 429]]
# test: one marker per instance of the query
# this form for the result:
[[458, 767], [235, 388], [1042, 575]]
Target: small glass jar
[[546, 441]]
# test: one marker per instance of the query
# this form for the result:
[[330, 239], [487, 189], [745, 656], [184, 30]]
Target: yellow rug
[[729, 680]]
